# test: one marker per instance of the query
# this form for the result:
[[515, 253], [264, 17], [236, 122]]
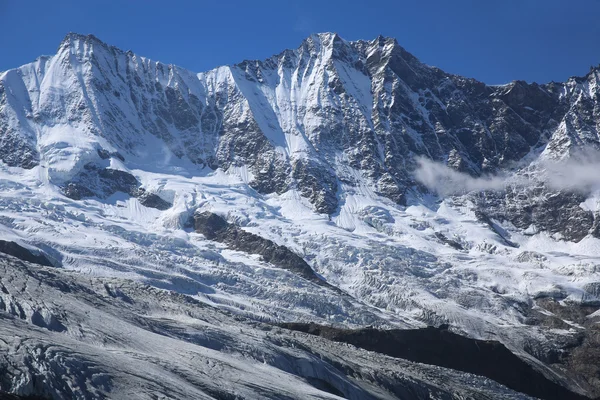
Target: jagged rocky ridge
[[311, 118], [332, 127]]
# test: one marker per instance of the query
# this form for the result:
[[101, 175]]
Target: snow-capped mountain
[[288, 190]]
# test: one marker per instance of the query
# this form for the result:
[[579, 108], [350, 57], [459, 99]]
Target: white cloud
[[446, 181], [581, 172]]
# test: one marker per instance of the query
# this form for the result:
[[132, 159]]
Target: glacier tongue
[[68, 335]]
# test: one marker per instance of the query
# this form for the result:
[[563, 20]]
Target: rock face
[[104, 182], [577, 354], [16, 250], [214, 227], [311, 118], [539, 209], [441, 347]]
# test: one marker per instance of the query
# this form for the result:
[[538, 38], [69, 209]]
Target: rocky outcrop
[[215, 227], [575, 357], [538, 209], [104, 182], [439, 346], [581, 359], [22, 253]]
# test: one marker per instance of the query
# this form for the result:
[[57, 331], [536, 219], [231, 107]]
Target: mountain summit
[[309, 118]]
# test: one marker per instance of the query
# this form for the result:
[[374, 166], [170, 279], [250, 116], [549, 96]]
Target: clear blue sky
[[492, 40]]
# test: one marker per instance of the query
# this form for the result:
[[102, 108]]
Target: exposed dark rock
[[17, 148], [575, 356], [77, 191], [573, 312], [439, 346], [16, 250], [104, 182], [538, 208], [15, 151], [582, 359], [105, 155], [9, 396], [210, 225], [317, 183], [216, 228], [118, 181], [152, 200], [452, 243]]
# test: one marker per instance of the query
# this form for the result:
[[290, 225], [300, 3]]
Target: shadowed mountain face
[[16, 250], [8, 396], [301, 178], [444, 348]]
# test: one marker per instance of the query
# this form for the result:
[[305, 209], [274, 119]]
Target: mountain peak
[[81, 44], [325, 36], [74, 37], [326, 39], [383, 40]]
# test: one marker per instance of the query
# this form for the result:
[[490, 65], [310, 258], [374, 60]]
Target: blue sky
[[493, 41]]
